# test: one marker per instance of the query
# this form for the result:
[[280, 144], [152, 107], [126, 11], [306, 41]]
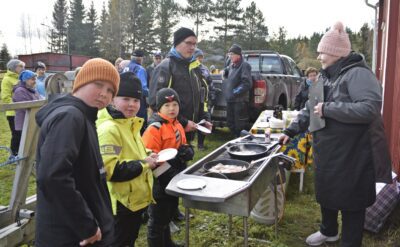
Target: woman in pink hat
[[350, 149]]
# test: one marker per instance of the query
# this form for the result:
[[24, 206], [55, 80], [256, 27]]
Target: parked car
[[276, 81]]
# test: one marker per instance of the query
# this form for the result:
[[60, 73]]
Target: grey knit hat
[[13, 63]]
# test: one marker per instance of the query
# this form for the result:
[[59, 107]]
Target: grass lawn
[[301, 216]]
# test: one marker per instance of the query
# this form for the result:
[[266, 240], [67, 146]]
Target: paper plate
[[191, 184], [167, 154], [203, 129]]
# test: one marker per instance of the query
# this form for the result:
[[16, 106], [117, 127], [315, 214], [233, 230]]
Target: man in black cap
[[136, 67], [181, 72], [236, 88]]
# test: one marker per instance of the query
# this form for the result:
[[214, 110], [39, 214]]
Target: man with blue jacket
[[236, 87], [136, 67]]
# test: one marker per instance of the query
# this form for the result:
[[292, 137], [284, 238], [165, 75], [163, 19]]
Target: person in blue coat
[[136, 67]]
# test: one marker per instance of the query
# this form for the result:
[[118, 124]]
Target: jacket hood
[[342, 65], [11, 74], [23, 85], [67, 100], [110, 113], [175, 54]]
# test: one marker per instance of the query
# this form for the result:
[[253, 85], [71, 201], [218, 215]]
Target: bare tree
[[23, 33]]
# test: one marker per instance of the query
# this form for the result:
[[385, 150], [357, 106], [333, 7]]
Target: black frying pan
[[233, 175], [247, 151]]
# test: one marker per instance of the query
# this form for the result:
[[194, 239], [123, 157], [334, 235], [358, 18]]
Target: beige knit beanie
[[335, 42], [97, 69]]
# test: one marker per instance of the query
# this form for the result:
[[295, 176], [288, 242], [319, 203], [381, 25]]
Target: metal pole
[[375, 40], [230, 224], [68, 40], [186, 227], [246, 236], [276, 205]]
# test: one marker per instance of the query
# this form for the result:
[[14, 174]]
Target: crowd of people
[[98, 150]]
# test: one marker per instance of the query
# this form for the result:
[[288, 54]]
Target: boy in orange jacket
[[165, 131]]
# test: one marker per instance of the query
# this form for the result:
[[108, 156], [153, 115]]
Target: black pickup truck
[[276, 81]]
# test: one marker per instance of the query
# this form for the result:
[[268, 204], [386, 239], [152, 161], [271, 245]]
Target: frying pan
[[232, 175], [241, 151]]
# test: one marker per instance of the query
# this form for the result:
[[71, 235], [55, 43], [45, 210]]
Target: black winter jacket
[[179, 75], [302, 96], [237, 82], [72, 194]]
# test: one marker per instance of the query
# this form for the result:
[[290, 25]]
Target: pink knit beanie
[[335, 42]]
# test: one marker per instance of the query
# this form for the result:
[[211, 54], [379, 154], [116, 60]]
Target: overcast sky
[[299, 17]]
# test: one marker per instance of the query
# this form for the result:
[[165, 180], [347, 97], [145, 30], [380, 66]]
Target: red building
[[388, 72], [54, 61]]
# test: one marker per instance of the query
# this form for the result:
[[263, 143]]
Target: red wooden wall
[[388, 71]]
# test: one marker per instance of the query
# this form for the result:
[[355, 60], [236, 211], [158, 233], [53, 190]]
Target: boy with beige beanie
[[73, 203]]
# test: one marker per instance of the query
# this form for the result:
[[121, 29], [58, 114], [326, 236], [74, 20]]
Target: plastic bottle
[[267, 134]]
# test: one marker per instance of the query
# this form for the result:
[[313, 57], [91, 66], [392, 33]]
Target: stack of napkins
[[276, 123]]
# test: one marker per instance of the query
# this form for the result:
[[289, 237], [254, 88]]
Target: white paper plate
[[203, 129], [167, 154], [191, 184]]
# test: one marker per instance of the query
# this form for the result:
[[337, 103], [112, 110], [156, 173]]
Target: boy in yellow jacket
[[127, 164]]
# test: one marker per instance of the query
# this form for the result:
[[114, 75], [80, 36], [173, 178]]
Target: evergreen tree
[[279, 43], [92, 42], [229, 12], [168, 14], [253, 32], [77, 31], [365, 40], [199, 11], [58, 34], [313, 43], [118, 22], [146, 30], [105, 40], [141, 28], [4, 57]]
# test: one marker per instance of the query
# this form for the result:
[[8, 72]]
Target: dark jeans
[[15, 136], [127, 225], [200, 139], [158, 233], [352, 226], [237, 117], [143, 114]]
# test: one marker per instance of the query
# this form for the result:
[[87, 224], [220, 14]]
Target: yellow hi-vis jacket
[[120, 141]]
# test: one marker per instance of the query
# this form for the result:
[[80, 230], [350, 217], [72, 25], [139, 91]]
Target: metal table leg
[[229, 224], [276, 207], [246, 236], [187, 227]]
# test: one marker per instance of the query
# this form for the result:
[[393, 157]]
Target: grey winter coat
[[238, 82], [350, 151]]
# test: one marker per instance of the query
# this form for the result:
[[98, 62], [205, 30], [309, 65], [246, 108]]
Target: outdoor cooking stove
[[230, 196]]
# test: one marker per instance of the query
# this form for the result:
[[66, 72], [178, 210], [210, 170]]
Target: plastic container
[[264, 210]]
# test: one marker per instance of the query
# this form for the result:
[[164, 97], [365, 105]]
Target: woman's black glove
[[185, 152]]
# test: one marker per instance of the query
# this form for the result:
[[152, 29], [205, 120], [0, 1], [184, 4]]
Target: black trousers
[[15, 135], [352, 225], [127, 225], [158, 233], [200, 138], [237, 117]]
